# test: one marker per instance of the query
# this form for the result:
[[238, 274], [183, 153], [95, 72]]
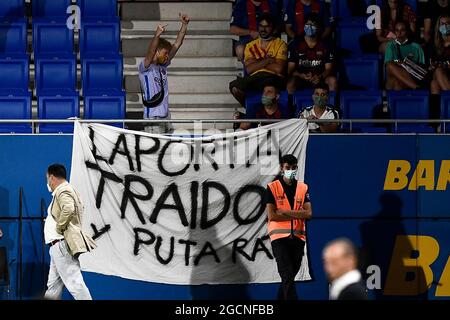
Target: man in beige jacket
[[64, 213]]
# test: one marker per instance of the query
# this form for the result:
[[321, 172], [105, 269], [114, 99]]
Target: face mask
[[401, 43], [444, 30], [267, 101], [48, 188], [290, 174], [320, 101], [310, 30]]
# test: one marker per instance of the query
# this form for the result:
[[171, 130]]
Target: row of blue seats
[[404, 104], [58, 98], [57, 9], [54, 38], [58, 107]]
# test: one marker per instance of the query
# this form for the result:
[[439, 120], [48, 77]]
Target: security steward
[[288, 208]]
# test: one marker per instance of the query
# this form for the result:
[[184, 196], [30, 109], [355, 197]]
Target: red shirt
[[262, 114]]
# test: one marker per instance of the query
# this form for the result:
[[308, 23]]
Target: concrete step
[[219, 46], [174, 25], [192, 63], [196, 99], [132, 34], [183, 112], [170, 11], [188, 83]]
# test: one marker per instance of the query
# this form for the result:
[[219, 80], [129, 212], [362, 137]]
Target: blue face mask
[[310, 30], [444, 30]]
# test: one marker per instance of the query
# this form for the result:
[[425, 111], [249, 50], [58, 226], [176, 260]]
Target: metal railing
[[35, 122]]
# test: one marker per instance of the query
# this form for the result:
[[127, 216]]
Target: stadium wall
[[389, 194]]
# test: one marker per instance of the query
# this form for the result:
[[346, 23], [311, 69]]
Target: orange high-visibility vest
[[295, 227]]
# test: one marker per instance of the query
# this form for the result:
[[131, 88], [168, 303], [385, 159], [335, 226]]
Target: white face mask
[[290, 174], [401, 43], [48, 188]]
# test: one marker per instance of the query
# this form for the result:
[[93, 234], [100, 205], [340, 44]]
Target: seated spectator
[[393, 11], [320, 110], [310, 61], [269, 108], [397, 77], [264, 60], [441, 57], [440, 64], [244, 20], [296, 11], [434, 9]]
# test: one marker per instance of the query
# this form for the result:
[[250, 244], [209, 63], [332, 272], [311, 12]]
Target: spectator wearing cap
[[244, 20], [264, 60], [296, 12], [310, 60], [320, 110]]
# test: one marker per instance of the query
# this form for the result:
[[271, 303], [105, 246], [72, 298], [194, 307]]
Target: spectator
[[440, 64], [264, 60], [153, 76], [393, 11], [340, 262], [320, 110], [441, 58], [434, 9], [296, 12], [270, 108], [397, 77], [244, 21], [310, 61]]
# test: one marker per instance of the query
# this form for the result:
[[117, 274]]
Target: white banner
[[182, 210]]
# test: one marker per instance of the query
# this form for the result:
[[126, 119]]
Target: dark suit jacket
[[354, 291]]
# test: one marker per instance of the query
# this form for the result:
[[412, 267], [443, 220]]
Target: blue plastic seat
[[445, 104], [105, 106], [304, 99], [13, 37], [55, 76], [409, 104], [349, 35], [10, 9], [15, 107], [52, 38], [57, 107], [360, 73], [102, 76], [344, 10], [53, 9], [14, 77], [361, 105], [92, 10], [99, 39]]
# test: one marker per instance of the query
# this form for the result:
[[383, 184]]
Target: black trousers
[[288, 253]]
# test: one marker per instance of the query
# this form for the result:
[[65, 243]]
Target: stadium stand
[[50, 9], [110, 47]]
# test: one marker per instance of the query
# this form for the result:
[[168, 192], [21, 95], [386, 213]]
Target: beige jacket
[[67, 210]]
